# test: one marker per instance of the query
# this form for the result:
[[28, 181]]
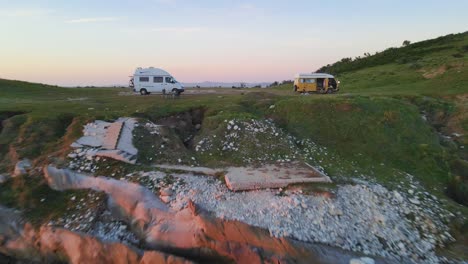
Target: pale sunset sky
[[102, 42]]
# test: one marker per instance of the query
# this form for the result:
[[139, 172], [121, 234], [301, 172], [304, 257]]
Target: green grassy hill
[[433, 67]]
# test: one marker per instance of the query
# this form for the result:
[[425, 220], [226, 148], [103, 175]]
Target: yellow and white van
[[315, 82]]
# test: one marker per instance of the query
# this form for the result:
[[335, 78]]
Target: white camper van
[[154, 80]]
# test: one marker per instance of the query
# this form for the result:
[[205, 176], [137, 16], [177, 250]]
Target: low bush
[[457, 189]]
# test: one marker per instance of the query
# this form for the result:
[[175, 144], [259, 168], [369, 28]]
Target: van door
[[158, 83], [169, 84], [321, 84]]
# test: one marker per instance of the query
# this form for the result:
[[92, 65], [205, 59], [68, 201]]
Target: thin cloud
[[92, 20], [176, 29]]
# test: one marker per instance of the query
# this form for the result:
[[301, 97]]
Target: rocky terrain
[[188, 229], [360, 217], [186, 211]]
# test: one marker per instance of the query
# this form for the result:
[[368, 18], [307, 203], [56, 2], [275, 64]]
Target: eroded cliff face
[[190, 231], [165, 234], [47, 244]]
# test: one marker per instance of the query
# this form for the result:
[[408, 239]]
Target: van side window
[[158, 79], [310, 80], [144, 79], [302, 81], [168, 79]]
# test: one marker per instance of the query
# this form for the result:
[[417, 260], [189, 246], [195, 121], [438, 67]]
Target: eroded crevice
[[10, 124], [6, 115], [444, 118], [185, 124]]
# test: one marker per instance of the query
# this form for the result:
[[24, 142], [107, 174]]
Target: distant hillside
[[224, 84], [454, 44]]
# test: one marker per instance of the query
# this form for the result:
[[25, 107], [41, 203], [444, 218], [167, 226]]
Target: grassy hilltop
[[395, 115], [435, 67]]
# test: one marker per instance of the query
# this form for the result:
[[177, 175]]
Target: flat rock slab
[[126, 135], [112, 136], [112, 140], [272, 176], [93, 134]]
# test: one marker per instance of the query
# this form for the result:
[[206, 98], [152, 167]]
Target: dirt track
[[198, 91]]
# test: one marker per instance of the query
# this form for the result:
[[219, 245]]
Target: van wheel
[[175, 92], [143, 92], [164, 91], [330, 91]]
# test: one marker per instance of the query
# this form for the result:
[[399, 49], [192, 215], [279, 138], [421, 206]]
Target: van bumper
[[181, 90]]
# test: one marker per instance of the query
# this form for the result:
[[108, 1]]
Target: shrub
[[415, 65], [465, 48], [458, 190]]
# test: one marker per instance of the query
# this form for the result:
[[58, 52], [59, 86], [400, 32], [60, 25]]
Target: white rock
[[21, 167], [414, 201], [76, 145], [398, 196], [363, 260], [380, 218], [336, 211]]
